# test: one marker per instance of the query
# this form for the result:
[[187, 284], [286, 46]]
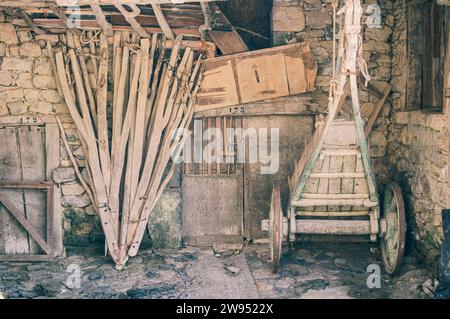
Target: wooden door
[[28, 156], [212, 192]]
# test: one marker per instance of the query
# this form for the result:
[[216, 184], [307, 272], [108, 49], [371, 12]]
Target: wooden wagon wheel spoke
[[393, 240]]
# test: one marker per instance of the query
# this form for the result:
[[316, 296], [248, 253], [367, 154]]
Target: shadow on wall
[[251, 19]]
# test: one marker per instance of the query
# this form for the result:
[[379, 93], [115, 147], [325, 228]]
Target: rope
[[94, 38]]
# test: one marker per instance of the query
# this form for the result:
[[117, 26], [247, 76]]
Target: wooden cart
[[333, 189]]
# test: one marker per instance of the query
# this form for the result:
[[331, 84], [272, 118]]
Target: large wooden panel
[[257, 75], [293, 130], [262, 77], [13, 238], [212, 209], [30, 221], [32, 154]]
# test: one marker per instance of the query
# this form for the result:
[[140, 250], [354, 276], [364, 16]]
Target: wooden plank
[[333, 202], [218, 87], [25, 258], [26, 185], [337, 175], [54, 207], [262, 77], [32, 154], [376, 111], [14, 239], [336, 227], [228, 42], [254, 76], [334, 214]]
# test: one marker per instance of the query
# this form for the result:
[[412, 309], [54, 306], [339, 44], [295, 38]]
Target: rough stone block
[[25, 36], [318, 19], [164, 224], [3, 108], [8, 34], [76, 201], [30, 49], [64, 174], [31, 95], [72, 189], [12, 95], [24, 80], [402, 117], [5, 78], [288, 19], [51, 96], [18, 107], [44, 81], [42, 108], [14, 64], [43, 67]]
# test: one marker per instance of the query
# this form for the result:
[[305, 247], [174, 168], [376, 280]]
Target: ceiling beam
[[101, 20], [46, 3], [162, 21]]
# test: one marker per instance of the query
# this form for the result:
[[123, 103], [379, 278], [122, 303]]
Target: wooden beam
[[376, 111], [101, 20], [130, 16], [167, 31], [58, 26], [46, 3]]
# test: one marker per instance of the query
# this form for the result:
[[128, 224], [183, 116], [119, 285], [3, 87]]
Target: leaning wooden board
[[257, 75]]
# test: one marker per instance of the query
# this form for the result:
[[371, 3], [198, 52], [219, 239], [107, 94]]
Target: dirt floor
[[306, 271]]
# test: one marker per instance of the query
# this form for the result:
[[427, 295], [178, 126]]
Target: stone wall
[[28, 87], [312, 21], [418, 140]]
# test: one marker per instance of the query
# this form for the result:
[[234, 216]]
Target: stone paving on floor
[[306, 271]]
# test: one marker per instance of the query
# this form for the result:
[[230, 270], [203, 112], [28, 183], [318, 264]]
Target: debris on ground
[[233, 270], [225, 250]]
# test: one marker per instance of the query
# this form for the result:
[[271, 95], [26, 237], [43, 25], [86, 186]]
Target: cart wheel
[[393, 228], [275, 230]]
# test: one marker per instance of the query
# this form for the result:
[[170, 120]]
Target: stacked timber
[[130, 156]]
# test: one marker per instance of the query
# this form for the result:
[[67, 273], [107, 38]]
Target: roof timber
[[46, 3]]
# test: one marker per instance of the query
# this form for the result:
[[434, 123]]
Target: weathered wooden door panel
[[293, 131], [13, 239], [212, 209], [28, 155]]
